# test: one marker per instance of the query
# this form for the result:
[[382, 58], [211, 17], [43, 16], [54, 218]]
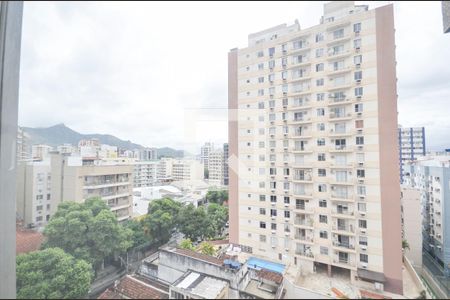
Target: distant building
[[446, 16], [216, 167], [431, 176], [34, 201], [186, 170], [411, 144], [67, 149], [23, 145], [89, 147], [77, 179], [204, 153], [225, 164], [145, 173], [40, 151], [147, 154]]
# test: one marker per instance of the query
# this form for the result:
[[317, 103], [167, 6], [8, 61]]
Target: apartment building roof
[[199, 256], [130, 287], [27, 240], [269, 275], [201, 285]]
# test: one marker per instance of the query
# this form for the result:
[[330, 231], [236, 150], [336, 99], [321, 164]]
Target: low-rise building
[[194, 285], [134, 287]]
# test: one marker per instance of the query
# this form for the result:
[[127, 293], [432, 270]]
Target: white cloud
[[132, 69]]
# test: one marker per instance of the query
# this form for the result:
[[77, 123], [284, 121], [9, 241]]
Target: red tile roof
[[370, 295], [269, 275], [130, 287], [199, 256], [27, 240]]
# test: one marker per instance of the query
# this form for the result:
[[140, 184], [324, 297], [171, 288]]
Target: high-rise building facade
[[204, 153], [40, 151], [216, 167], [411, 144], [148, 154], [23, 145], [431, 176], [313, 125]]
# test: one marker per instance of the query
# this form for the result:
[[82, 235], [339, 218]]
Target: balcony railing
[[304, 221], [303, 253], [304, 238], [344, 245], [343, 212], [344, 228]]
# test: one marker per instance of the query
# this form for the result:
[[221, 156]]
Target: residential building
[[89, 147], [145, 173], [135, 287], [446, 16], [67, 149], [216, 167], [194, 285], [164, 170], [34, 201], [23, 145], [313, 125], [225, 164], [10, 44], [412, 225], [411, 144], [431, 176], [40, 151], [77, 179], [187, 170], [107, 151], [148, 154], [204, 153]]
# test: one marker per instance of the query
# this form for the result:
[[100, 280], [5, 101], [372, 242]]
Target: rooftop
[[260, 289], [27, 240], [134, 288], [201, 285]]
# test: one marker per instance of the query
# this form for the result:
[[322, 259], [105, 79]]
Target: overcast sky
[[142, 71]]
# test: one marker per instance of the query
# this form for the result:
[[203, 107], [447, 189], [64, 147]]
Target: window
[[323, 250], [273, 212], [337, 34], [322, 187], [357, 43], [273, 198], [362, 223], [321, 142], [262, 238], [363, 240], [260, 66], [359, 107], [360, 173], [358, 75], [284, 75], [271, 51], [359, 140], [319, 82], [287, 214], [323, 203], [39, 207], [261, 131], [262, 211], [262, 185], [261, 144], [260, 79], [273, 226], [39, 219], [359, 124], [324, 234], [273, 185], [320, 126], [261, 104], [284, 61], [271, 77], [273, 171], [363, 258], [39, 197], [322, 172], [48, 206], [319, 67], [319, 37], [357, 59], [323, 219], [262, 157], [260, 53], [271, 64], [338, 65], [320, 112], [361, 190], [272, 90], [357, 27], [320, 96], [321, 157], [361, 206], [247, 68], [262, 224], [262, 197], [286, 200], [358, 91], [284, 48], [319, 52], [48, 196], [286, 171]]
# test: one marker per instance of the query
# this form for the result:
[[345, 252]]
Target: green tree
[[52, 274], [405, 245], [218, 215], [206, 248], [139, 235], [194, 223], [187, 244], [88, 231], [217, 196], [161, 219]]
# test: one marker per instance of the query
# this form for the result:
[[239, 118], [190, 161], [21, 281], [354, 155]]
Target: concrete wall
[[10, 40], [296, 292]]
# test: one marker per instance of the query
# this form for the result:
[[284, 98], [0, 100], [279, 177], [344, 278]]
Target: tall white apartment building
[[216, 167], [67, 149], [89, 147], [34, 183], [148, 154], [23, 145], [187, 170], [313, 125], [40, 151], [145, 173], [204, 153], [431, 176], [411, 144]]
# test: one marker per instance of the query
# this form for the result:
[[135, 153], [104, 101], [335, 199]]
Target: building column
[[329, 270]]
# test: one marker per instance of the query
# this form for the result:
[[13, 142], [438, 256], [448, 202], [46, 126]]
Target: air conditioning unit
[[358, 81], [363, 247], [362, 213], [363, 230], [364, 265], [361, 164], [360, 180], [358, 66]]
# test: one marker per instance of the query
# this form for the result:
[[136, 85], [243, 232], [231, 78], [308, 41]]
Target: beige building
[[78, 179], [187, 170], [412, 224], [313, 147], [34, 201], [23, 145], [216, 167], [40, 151]]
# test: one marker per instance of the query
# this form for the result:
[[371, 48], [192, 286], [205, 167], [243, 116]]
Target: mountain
[[61, 134]]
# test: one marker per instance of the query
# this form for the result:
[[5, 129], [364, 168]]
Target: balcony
[[303, 120], [301, 150], [346, 228], [309, 222], [304, 253], [338, 54], [304, 238], [339, 117], [340, 148], [305, 177], [343, 245], [338, 100], [300, 135], [305, 209], [342, 212]]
